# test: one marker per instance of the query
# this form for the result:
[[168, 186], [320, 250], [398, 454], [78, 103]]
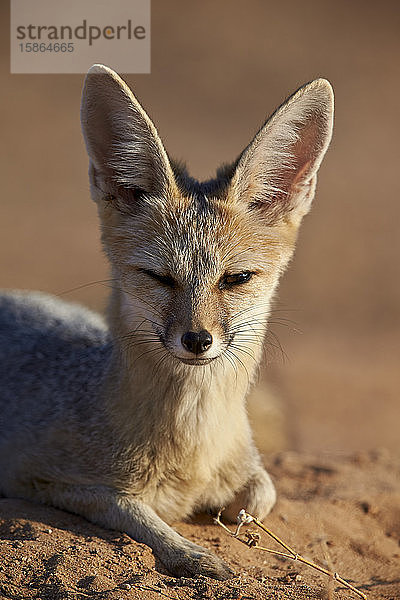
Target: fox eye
[[164, 279], [235, 279]]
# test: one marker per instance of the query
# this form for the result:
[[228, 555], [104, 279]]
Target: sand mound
[[341, 512]]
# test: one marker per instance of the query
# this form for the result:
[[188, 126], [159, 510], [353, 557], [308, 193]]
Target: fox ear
[[277, 171], [124, 148]]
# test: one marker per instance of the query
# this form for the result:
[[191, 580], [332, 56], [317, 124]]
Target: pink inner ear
[[304, 153], [301, 174], [277, 170]]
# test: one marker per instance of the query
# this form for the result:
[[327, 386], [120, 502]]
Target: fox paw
[[257, 497], [195, 560]]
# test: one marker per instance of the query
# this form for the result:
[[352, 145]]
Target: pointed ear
[[124, 148], [277, 171]]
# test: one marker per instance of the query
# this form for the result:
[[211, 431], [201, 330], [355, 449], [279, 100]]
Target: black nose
[[196, 342]]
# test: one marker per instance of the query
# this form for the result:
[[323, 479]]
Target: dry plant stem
[[252, 542], [153, 589]]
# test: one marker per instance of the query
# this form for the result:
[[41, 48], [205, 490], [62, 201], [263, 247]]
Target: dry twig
[[252, 539]]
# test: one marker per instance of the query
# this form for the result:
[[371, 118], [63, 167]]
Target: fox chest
[[205, 471]]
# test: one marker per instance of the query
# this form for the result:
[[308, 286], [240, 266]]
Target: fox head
[[195, 265]]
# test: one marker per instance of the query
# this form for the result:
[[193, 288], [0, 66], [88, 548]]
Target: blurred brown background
[[218, 69]]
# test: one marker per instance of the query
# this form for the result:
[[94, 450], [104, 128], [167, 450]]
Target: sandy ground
[[341, 513]]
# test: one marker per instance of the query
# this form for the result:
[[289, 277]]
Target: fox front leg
[[257, 497], [113, 510]]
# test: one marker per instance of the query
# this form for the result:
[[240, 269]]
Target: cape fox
[[140, 420]]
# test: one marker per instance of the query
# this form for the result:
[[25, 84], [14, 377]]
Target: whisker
[[232, 363], [152, 350], [229, 351], [84, 285], [232, 345]]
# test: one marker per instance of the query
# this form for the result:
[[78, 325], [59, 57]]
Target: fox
[[137, 420]]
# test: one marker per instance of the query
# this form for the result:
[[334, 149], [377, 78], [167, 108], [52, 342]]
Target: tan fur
[[167, 433]]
